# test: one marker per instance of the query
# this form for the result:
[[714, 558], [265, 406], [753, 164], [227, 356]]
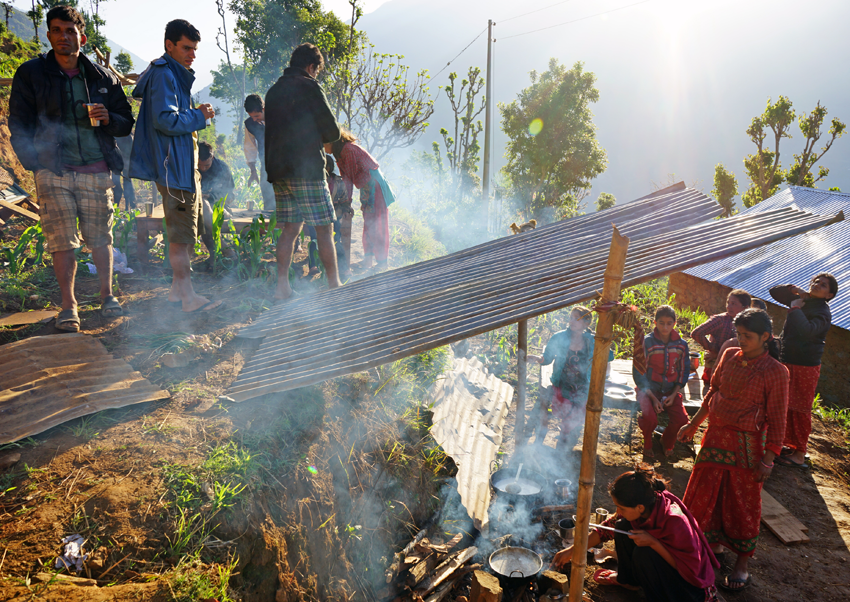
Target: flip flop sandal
[[787, 461], [178, 305], [292, 295], [787, 451], [110, 308], [728, 581], [68, 321]]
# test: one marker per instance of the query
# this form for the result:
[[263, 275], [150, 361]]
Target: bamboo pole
[[587, 476], [522, 378]]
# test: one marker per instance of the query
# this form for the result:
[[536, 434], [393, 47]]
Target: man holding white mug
[[53, 102], [165, 150]]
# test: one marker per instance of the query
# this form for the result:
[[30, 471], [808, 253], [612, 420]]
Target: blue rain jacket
[[163, 150]]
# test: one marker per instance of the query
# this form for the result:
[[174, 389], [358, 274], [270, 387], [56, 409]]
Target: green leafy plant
[[30, 245]]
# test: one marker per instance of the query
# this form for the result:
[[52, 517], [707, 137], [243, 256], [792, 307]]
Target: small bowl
[[567, 528]]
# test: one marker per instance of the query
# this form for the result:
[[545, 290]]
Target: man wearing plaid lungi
[[299, 122], [64, 115]]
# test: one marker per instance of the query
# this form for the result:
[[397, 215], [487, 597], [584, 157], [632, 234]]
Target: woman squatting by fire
[[358, 168], [660, 546]]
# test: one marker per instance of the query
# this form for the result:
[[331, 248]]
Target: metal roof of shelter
[[426, 305], [793, 260]]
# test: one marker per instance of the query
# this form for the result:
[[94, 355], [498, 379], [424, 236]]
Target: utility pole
[[487, 113]]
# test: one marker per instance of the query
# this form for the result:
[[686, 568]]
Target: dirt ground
[[295, 534]]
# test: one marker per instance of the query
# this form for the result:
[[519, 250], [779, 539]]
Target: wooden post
[[587, 476], [522, 378]]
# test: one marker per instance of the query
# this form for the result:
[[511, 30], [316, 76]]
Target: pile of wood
[[426, 571]]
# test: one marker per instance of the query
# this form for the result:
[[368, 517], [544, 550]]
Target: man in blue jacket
[[64, 115], [165, 150]]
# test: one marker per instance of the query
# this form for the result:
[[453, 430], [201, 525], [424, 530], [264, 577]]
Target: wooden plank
[[19, 210], [773, 511]]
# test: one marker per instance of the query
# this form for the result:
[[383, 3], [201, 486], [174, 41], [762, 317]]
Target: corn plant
[[30, 243], [122, 228]]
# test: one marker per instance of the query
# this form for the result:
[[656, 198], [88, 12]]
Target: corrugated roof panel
[[407, 311], [48, 380], [793, 260]]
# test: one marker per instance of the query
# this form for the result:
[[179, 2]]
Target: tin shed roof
[[426, 305], [796, 259]]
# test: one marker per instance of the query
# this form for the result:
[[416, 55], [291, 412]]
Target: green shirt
[[80, 145]]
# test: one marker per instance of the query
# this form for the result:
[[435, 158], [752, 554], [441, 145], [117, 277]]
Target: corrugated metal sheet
[[470, 407], [793, 260], [404, 312], [45, 381]]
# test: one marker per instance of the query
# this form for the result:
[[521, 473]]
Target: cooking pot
[[529, 486], [515, 566]]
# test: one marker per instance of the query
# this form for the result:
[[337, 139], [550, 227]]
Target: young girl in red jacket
[[358, 168]]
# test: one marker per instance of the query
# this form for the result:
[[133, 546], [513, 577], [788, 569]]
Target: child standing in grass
[[718, 329], [660, 388], [746, 406]]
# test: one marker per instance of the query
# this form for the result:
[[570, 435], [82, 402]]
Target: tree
[[725, 189], [36, 15], [552, 151], [764, 168], [269, 30], [605, 200], [379, 100], [123, 63], [462, 148]]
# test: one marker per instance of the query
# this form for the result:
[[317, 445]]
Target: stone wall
[[834, 384]]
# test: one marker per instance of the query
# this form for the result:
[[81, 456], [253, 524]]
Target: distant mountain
[[21, 26]]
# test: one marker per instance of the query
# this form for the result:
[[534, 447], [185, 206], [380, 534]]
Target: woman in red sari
[[358, 168], [746, 406]]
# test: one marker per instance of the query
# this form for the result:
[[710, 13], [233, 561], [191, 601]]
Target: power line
[[531, 12], [575, 20], [459, 53]]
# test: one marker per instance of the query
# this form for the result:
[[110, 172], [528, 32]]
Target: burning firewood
[[444, 570], [394, 569]]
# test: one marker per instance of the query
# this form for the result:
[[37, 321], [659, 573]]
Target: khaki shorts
[[182, 214], [63, 200]]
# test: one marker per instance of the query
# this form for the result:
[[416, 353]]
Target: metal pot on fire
[[515, 566], [530, 485]]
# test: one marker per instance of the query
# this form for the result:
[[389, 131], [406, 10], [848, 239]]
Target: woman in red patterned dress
[[358, 168], [746, 406]]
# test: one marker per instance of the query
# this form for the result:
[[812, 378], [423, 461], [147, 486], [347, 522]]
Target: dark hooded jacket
[[803, 337], [299, 122], [37, 112]]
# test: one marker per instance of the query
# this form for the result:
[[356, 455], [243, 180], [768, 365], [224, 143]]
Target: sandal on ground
[[110, 308], [206, 308], [68, 321], [609, 577], [735, 585], [669, 453], [787, 451], [176, 304], [648, 455], [787, 461]]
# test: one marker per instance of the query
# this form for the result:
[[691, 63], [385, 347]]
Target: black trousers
[[646, 568]]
